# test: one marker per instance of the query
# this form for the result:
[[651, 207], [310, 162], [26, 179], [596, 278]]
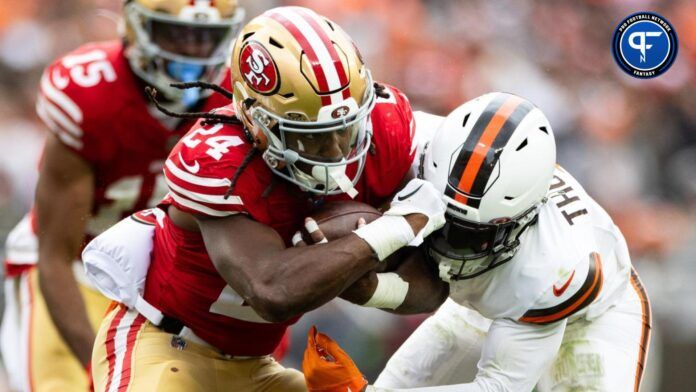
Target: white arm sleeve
[[444, 349], [514, 357]]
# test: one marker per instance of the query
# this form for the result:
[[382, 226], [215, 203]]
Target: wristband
[[390, 292], [386, 234]]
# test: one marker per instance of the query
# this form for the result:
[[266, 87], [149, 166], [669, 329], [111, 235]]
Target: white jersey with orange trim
[[574, 261], [566, 311]]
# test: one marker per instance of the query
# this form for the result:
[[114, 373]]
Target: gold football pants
[[35, 355], [131, 354]]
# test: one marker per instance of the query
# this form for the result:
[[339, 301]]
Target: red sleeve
[[201, 166], [393, 130], [75, 92]]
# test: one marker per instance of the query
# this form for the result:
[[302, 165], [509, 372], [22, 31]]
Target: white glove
[[391, 231], [420, 197]]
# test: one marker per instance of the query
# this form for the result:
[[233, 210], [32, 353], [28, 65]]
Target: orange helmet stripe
[[484, 145]]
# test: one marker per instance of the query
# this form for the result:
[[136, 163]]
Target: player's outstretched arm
[[513, 359], [63, 203], [281, 282]]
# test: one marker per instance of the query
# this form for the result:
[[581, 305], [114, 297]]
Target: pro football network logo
[[644, 45]]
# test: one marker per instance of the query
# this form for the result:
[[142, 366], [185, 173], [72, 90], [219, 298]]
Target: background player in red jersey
[[102, 160], [304, 109]]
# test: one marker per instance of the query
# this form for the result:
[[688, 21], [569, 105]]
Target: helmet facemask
[[186, 48], [305, 97], [493, 159], [316, 154], [465, 249]]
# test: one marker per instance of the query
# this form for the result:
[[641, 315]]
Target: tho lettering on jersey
[[567, 200]]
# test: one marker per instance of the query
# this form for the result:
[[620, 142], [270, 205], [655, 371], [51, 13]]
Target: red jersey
[[182, 281], [91, 100]]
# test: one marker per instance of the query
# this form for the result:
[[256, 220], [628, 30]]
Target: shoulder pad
[[393, 114], [150, 217], [571, 293], [78, 93], [393, 151], [200, 168], [426, 125]]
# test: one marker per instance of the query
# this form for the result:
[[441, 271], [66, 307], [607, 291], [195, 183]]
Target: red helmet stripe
[[315, 49], [310, 17]]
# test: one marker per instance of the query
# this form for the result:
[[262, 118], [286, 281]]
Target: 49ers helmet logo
[[258, 68], [340, 111]]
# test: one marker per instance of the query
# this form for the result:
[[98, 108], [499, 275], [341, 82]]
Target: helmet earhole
[[275, 43], [522, 145], [248, 102], [466, 118]]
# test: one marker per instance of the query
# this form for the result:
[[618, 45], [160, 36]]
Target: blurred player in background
[[529, 250], [307, 125], [102, 161]]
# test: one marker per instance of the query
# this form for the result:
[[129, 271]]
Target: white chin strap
[[337, 176]]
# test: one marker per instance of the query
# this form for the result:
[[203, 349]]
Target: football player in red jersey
[[306, 125], [102, 160]]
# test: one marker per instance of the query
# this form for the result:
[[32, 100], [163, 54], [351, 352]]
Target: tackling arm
[[63, 202], [443, 350], [513, 358]]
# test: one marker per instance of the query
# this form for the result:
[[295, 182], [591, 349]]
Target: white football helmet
[[493, 158]]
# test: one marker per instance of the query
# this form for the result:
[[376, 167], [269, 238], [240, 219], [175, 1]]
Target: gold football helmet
[[170, 41], [302, 90]]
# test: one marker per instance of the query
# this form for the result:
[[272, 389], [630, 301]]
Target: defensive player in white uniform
[[542, 292]]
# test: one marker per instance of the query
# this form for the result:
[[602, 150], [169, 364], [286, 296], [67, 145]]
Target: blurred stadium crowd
[[632, 143]]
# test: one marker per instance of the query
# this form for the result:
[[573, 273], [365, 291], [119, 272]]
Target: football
[[338, 219]]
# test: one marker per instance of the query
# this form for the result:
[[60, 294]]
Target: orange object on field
[[327, 368]]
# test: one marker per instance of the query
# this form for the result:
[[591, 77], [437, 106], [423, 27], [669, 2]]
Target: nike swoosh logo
[[558, 292], [192, 168], [404, 197]]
